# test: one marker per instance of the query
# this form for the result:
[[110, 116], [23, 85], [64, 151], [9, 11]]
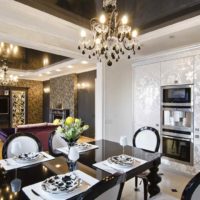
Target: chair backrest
[[20, 143], [192, 189], [55, 141], [147, 138]]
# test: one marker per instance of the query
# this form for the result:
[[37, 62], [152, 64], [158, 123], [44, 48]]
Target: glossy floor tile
[[172, 185]]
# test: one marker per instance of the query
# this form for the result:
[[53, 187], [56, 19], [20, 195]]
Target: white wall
[[118, 101]]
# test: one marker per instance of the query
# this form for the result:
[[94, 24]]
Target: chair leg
[[136, 184], [145, 184]]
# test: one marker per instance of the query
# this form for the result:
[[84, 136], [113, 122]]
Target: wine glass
[[16, 150], [123, 142], [16, 183], [73, 156]]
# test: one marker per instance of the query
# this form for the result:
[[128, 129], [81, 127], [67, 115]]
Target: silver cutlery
[[35, 193], [43, 155]]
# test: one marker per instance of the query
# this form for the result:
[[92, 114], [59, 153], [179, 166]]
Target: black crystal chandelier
[[5, 78], [110, 38], [7, 50]]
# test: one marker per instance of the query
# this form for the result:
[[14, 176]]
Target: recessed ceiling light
[[40, 74], [69, 66], [48, 72], [45, 61], [84, 62], [58, 70]]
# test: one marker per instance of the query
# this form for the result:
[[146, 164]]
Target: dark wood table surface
[[106, 149]]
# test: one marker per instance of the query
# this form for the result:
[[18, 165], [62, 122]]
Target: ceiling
[[143, 14], [28, 59], [28, 27]]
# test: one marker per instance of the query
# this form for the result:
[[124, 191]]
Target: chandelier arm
[[110, 21], [127, 48], [121, 39]]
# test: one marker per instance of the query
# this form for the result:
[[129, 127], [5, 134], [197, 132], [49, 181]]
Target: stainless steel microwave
[[177, 95]]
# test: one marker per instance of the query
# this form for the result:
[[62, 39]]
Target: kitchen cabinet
[[178, 71], [146, 96], [197, 99]]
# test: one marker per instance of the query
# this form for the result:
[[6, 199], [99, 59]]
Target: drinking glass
[[123, 142]]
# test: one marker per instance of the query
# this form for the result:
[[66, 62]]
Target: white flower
[[59, 130]]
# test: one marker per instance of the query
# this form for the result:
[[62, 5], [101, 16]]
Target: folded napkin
[[80, 148], [113, 168], [90, 181], [12, 163]]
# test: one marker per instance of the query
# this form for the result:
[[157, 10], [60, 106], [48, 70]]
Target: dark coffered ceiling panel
[[145, 14], [156, 12], [30, 59]]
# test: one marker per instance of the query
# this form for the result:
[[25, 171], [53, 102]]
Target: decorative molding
[[168, 55]]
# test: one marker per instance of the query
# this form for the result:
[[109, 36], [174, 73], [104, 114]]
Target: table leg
[[154, 179]]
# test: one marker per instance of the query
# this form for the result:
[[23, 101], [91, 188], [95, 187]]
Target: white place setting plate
[[24, 160], [61, 183], [28, 157], [60, 187], [121, 161]]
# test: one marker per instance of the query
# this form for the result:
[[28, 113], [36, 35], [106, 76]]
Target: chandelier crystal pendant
[[7, 50], [111, 38], [5, 78]]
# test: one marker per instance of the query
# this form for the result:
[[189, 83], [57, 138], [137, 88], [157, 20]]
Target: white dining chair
[[148, 139], [55, 141], [20, 143]]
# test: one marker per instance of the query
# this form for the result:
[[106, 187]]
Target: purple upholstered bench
[[5, 133]]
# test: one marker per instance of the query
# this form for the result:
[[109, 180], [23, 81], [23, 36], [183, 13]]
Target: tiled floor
[[171, 180]]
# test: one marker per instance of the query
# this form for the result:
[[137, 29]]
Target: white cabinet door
[[146, 96], [197, 99], [179, 71]]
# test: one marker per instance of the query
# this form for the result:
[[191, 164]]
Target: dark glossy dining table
[[40, 172]]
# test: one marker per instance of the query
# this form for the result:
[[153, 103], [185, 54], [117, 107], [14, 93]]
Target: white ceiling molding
[[29, 27]]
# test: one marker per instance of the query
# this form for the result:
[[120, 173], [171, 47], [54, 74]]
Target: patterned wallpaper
[[35, 100], [18, 107], [64, 92]]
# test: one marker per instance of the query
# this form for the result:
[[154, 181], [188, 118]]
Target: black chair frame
[[12, 137], [191, 187], [50, 142], [143, 176], [150, 129]]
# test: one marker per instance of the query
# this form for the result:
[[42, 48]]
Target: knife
[[35, 193]]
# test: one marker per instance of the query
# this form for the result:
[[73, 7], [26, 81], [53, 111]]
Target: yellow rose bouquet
[[71, 129]]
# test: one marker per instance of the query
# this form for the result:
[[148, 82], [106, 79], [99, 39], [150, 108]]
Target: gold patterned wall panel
[[18, 109], [35, 100], [64, 92]]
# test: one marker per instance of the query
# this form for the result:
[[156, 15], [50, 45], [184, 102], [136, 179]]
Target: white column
[[99, 103]]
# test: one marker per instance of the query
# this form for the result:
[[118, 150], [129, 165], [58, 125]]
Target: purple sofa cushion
[[5, 133], [42, 133], [3, 136]]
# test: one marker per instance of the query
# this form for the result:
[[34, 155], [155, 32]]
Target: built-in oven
[[178, 148], [177, 95]]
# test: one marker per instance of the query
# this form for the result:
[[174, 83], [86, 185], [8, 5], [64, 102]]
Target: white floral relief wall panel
[[18, 107]]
